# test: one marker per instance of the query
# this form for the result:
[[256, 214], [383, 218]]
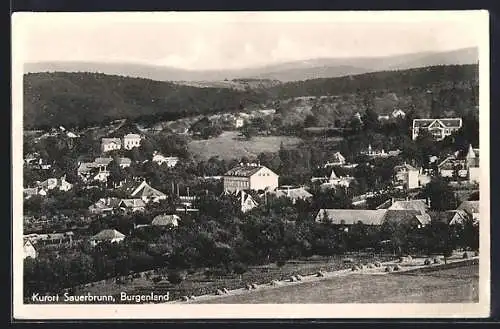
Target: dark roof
[[446, 122], [400, 216], [352, 216], [471, 207], [243, 170], [108, 235], [418, 205]]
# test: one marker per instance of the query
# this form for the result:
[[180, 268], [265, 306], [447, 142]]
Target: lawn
[[229, 145], [450, 285]]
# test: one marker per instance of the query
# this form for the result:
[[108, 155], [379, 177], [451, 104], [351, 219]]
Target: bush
[[465, 255], [427, 262], [281, 263], [156, 279], [176, 277], [240, 268]]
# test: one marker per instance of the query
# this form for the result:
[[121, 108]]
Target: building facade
[[110, 144], [438, 128], [250, 177], [131, 140]]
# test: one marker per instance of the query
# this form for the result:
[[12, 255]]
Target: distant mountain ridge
[[285, 72]]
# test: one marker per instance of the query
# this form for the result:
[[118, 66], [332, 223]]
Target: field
[[199, 283], [230, 146], [445, 285]]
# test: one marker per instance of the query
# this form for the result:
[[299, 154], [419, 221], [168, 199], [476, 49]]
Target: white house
[[407, 176], [250, 176], [336, 181], [110, 144], [132, 205], [166, 220], [29, 250], [108, 235], [292, 193], [131, 140], [160, 159], [472, 164], [398, 113], [438, 128], [337, 160], [147, 193], [53, 183]]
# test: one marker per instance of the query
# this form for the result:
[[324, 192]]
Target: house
[[107, 235], [346, 217], [52, 183], [239, 122], [29, 249], [132, 205], [250, 176], [407, 176], [147, 193], [293, 193], [398, 113], [450, 166], [124, 162], [455, 217], [51, 238], [335, 181], [166, 220], [337, 160], [438, 128], [32, 191], [419, 205], [160, 159], [408, 217], [110, 144], [131, 140], [472, 164], [471, 208], [104, 205]]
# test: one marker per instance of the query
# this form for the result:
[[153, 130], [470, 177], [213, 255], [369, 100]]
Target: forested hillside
[[91, 98]]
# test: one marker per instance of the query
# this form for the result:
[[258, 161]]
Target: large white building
[[250, 176], [131, 140], [438, 128], [110, 144]]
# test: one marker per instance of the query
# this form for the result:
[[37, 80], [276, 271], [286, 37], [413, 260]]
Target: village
[[127, 207]]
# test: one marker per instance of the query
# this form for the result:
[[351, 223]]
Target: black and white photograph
[[251, 164]]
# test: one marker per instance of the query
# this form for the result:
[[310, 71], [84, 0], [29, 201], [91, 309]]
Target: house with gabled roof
[[471, 208], [104, 205], [438, 128], [166, 220], [29, 249], [250, 176], [292, 193], [350, 216], [131, 140], [108, 235], [132, 205], [147, 193], [406, 176], [110, 144]]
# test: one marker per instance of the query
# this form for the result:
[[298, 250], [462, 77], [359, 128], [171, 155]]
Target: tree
[[441, 195], [115, 173]]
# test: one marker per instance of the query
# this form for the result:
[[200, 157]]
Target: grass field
[[451, 285], [230, 146]]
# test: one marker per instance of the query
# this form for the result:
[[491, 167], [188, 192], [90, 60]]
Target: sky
[[210, 41]]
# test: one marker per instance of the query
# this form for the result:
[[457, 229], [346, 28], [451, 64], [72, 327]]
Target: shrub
[[465, 255], [427, 262], [240, 268], [281, 263], [156, 279], [176, 277]]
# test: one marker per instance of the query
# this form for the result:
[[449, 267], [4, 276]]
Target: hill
[[83, 99], [291, 71]]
